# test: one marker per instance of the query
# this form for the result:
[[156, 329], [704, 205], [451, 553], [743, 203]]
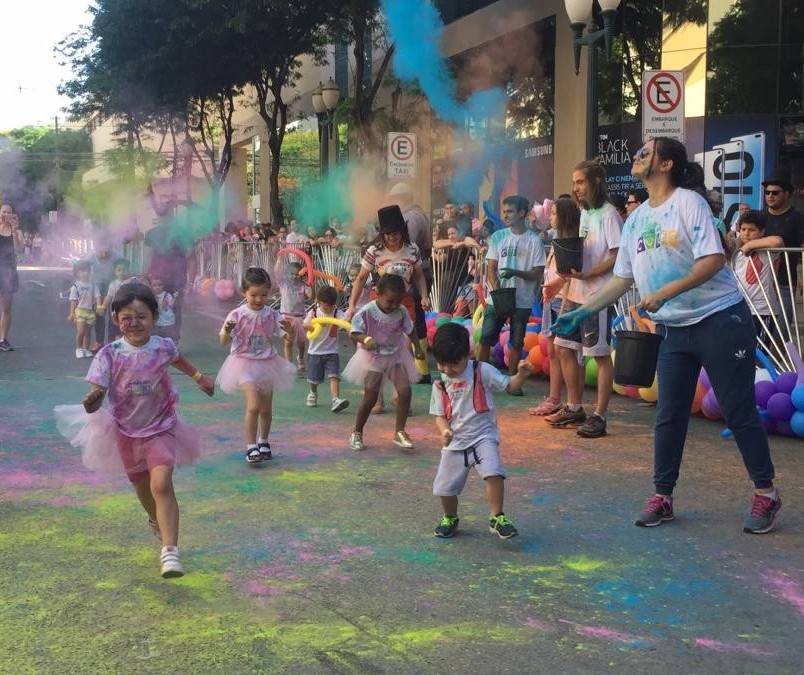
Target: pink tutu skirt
[[365, 361], [103, 447], [297, 334], [270, 374]]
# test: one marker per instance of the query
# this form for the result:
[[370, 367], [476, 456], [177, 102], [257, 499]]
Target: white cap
[[401, 189]]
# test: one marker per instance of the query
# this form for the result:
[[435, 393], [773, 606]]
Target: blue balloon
[[797, 423], [797, 396]]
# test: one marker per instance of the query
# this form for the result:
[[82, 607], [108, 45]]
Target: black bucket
[[504, 301], [635, 361], [568, 254]]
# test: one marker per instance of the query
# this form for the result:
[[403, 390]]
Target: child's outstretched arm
[[443, 429], [92, 401], [524, 369], [204, 382]]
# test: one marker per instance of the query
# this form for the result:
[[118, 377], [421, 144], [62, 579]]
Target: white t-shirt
[[600, 229], [661, 244], [520, 252], [327, 341], [84, 293], [468, 426]]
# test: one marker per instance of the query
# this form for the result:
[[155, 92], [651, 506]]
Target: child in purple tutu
[[253, 364], [381, 330], [141, 432]]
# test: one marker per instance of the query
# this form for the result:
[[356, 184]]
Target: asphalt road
[[323, 560]]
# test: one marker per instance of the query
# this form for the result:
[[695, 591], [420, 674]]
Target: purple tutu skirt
[[103, 447], [365, 361], [272, 374]]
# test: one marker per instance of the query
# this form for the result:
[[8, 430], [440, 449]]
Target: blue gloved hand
[[568, 323]]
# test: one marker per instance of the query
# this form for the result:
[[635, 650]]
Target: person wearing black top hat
[[393, 253], [781, 220]]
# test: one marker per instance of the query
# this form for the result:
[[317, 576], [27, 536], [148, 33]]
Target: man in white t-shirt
[[515, 259], [600, 227]]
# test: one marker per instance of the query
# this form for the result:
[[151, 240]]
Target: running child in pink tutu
[[253, 364], [141, 433], [381, 330]]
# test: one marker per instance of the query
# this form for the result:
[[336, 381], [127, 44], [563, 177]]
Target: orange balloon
[[535, 359], [531, 341]]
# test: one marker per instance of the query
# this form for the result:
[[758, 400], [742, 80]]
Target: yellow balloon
[[618, 388], [650, 394], [317, 325], [477, 317]]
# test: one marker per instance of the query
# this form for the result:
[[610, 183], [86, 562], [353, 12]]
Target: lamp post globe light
[[325, 99], [580, 16]]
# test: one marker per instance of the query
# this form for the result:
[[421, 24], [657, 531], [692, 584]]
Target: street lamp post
[[580, 14], [325, 100]]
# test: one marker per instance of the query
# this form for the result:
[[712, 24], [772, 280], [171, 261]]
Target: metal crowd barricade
[[780, 330], [457, 272]]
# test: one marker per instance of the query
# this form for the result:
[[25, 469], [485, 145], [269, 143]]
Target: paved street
[[323, 560]]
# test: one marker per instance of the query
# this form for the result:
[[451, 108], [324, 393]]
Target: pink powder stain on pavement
[[19, 479], [782, 586], [536, 624], [731, 647], [604, 633]]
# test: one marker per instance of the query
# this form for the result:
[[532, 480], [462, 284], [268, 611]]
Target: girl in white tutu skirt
[[141, 433], [253, 364], [381, 330]]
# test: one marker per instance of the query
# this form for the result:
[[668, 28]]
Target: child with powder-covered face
[[464, 414], [141, 432]]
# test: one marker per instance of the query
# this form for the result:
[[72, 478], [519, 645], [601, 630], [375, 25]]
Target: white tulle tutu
[[101, 443], [274, 373], [365, 361]]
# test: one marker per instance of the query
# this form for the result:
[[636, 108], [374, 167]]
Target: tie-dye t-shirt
[[661, 244], [142, 398]]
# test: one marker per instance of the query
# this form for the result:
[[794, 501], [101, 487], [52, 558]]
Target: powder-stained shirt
[[468, 426], [389, 331], [520, 252], [600, 229], [292, 297], [142, 398], [253, 331], [661, 244]]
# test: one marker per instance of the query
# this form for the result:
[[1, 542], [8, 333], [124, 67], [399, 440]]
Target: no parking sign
[[663, 104]]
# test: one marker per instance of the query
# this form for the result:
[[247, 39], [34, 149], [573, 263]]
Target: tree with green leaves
[[159, 68], [46, 162]]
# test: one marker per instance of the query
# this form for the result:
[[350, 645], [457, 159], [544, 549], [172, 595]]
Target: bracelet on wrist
[[197, 375], [368, 339]]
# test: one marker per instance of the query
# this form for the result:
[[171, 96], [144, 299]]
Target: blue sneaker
[[446, 527]]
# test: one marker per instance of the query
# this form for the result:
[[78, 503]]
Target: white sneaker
[[79, 353], [312, 400], [171, 563], [339, 404], [88, 354]]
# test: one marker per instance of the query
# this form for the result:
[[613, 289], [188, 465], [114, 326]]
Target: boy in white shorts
[[464, 414]]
